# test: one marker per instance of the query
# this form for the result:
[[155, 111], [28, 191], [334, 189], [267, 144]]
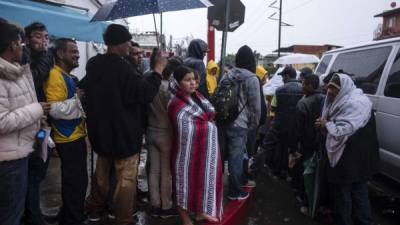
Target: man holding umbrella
[[116, 94]]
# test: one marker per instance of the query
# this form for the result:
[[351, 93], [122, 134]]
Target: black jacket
[[287, 97], [116, 96], [360, 159], [308, 110], [263, 118], [40, 64], [194, 60]]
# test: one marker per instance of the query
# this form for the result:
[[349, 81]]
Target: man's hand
[[80, 93], [320, 123], [293, 159], [46, 107]]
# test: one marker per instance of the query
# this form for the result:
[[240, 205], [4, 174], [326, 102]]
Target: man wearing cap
[[282, 130], [116, 94]]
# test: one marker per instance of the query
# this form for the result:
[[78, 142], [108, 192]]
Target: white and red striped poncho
[[196, 160]]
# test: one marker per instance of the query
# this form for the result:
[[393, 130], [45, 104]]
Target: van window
[[392, 88], [365, 66], [323, 65]]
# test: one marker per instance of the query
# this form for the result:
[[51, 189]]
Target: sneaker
[[94, 217], [304, 210], [111, 216], [242, 196], [250, 184], [167, 213], [155, 212]]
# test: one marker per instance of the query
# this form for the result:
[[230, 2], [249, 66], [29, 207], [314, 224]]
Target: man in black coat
[[40, 60], [196, 53], [308, 110], [284, 123], [280, 138], [116, 94]]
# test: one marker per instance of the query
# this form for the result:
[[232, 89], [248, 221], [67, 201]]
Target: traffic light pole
[[225, 35]]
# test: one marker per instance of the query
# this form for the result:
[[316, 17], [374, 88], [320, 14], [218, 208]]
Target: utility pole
[[280, 23], [280, 28]]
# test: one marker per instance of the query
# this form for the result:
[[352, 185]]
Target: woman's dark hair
[[154, 57], [180, 73], [9, 33], [173, 64]]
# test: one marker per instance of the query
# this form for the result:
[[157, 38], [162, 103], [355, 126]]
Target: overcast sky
[[337, 22]]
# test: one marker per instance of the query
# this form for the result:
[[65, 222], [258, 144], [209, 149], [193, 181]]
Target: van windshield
[[323, 65]]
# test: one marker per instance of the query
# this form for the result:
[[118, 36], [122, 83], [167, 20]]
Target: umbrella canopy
[[129, 8], [297, 58]]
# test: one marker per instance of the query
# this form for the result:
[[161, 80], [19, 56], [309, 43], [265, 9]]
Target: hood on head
[[261, 72], [245, 59], [197, 49], [346, 84], [211, 65], [9, 71]]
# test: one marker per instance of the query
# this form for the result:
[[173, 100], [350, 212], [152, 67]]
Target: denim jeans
[[351, 201], [37, 170], [13, 186], [250, 152], [236, 138]]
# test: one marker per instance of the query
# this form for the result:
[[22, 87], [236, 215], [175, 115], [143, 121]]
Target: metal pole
[[161, 27], [225, 35], [162, 41], [280, 27], [210, 42], [155, 28]]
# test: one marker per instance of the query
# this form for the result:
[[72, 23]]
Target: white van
[[375, 68]]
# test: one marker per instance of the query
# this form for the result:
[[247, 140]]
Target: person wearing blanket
[[351, 147], [68, 130]]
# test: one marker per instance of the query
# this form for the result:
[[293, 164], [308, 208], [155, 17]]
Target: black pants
[[37, 170], [74, 181], [272, 152], [351, 201], [13, 185]]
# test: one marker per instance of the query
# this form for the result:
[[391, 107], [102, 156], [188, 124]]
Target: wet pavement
[[272, 202]]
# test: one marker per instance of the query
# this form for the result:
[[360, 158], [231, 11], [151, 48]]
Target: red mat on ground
[[235, 212]]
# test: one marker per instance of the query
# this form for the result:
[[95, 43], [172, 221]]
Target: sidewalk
[[234, 212]]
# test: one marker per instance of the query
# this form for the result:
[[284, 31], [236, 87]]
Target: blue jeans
[[13, 186], [351, 201], [36, 174], [236, 138]]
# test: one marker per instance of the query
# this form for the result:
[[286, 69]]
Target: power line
[[298, 6]]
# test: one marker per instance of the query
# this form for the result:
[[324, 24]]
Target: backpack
[[226, 98]]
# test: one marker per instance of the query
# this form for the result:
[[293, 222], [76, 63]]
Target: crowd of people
[[191, 117]]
